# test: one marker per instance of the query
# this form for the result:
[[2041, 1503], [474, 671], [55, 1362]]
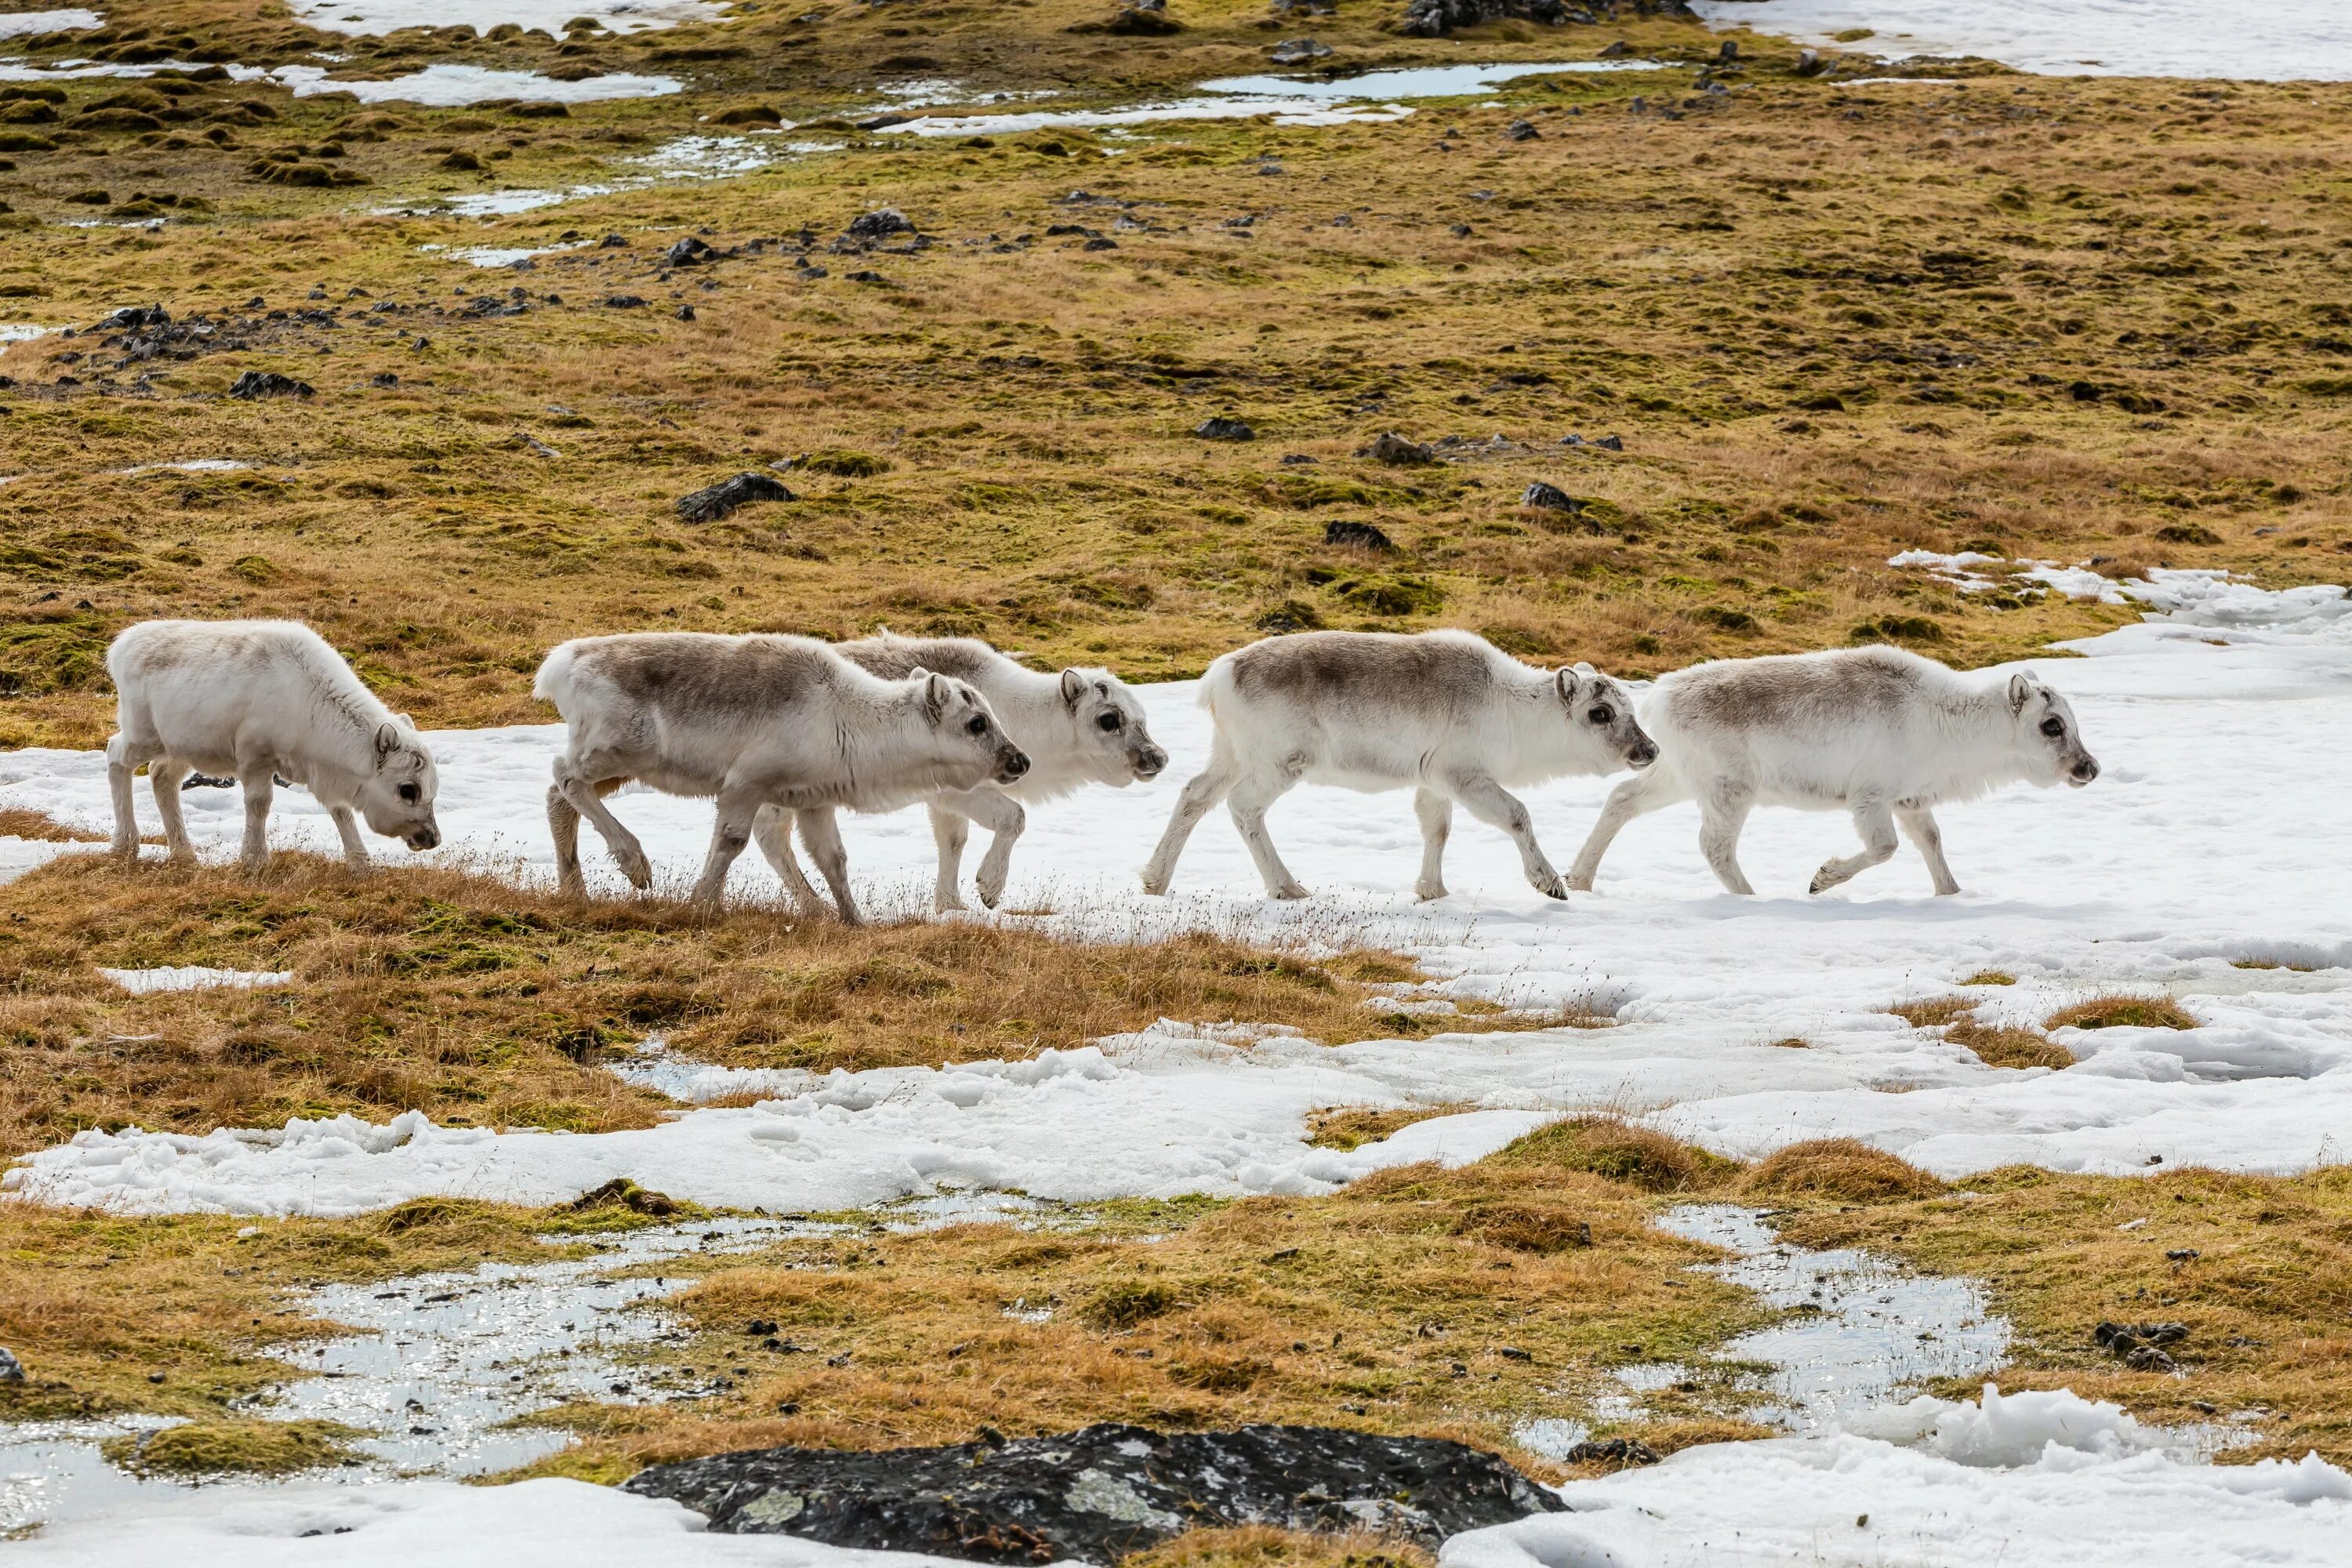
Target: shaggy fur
[[261, 702], [1445, 714], [1879, 732]]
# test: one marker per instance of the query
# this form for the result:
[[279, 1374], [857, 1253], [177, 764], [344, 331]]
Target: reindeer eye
[[411, 794], [1111, 723], [2054, 726], [1603, 715], [979, 725]]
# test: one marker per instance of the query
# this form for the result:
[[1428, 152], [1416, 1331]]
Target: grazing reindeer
[[1877, 731], [766, 725], [1443, 714], [263, 702]]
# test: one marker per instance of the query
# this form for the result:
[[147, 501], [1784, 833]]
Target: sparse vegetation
[[1995, 1045], [479, 1002], [2122, 1012]]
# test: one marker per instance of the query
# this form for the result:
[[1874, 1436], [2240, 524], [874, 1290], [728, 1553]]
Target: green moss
[[234, 1446]]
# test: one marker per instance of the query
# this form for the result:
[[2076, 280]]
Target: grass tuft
[[1845, 1169], [233, 1447], [1620, 1151], [2122, 1012]]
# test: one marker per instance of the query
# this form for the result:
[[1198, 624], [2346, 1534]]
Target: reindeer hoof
[[1429, 892], [1579, 884], [1155, 885], [1289, 890], [638, 871]]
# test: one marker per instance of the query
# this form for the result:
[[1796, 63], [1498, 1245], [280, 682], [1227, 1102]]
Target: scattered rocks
[[131, 317], [1302, 8], [1221, 427], [1361, 535], [1621, 1452], [1520, 130], [1102, 1493], [865, 275], [1393, 449], [11, 1369], [721, 499], [879, 224], [1136, 19], [688, 252], [2140, 1345], [623, 302], [1549, 498], [1298, 52], [1290, 615], [1436, 18], [259, 384]]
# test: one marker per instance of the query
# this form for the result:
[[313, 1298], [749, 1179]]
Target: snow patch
[[549, 16], [453, 86], [195, 977], [2285, 40], [23, 23]]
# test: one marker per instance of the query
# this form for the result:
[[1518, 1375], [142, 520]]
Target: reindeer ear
[[1566, 682], [936, 694], [387, 741], [1586, 672], [2020, 691], [1074, 686]]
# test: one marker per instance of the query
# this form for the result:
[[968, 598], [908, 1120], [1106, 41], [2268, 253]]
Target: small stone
[[685, 312], [1460, 231], [865, 275], [11, 1369], [623, 302], [1617, 51], [611, 242], [384, 379], [1297, 459], [259, 384], [1808, 62], [880, 223], [1221, 427], [760, 1326], [1728, 52], [1621, 1452], [2147, 1358], [1550, 498], [1611, 443], [1100, 242], [1298, 52], [154, 1377], [1520, 130], [1393, 449], [688, 252], [1359, 536], [719, 501], [136, 316]]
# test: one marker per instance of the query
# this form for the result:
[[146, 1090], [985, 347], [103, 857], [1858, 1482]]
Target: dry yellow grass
[[2122, 1011], [482, 1002], [1838, 1169], [1345, 1127], [1260, 1547], [1947, 264], [1996, 1045]]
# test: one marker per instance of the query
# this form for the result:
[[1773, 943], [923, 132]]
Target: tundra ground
[[2078, 319]]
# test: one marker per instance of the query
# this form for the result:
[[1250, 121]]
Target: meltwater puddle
[[1861, 1329], [443, 1364]]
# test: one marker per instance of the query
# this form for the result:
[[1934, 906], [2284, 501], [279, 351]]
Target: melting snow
[[452, 86], [2284, 40], [23, 23], [195, 977], [366, 17]]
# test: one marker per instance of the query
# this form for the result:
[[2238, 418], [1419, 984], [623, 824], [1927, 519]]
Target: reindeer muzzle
[[1011, 764]]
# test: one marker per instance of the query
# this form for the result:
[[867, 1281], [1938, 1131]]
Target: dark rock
[[2084, 392], [1619, 1451], [1611, 443], [258, 383], [1298, 52], [1102, 1493], [1222, 428], [2147, 1358], [1100, 242], [1138, 19], [865, 275], [1362, 535], [1520, 130], [686, 313], [131, 316], [880, 223], [1460, 231], [710, 505], [884, 121], [1808, 62], [1436, 18], [11, 1369], [688, 252], [1297, 459], [1290, 615], [1393, 449], [1728, 52], [623, 302], [384, 379], [1619, 50], [1550, 498], [611, 242]]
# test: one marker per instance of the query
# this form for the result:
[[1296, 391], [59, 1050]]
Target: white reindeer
[[1080, 727], [1443, 714], [261, 701], [766, 725], [1877, 732]]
